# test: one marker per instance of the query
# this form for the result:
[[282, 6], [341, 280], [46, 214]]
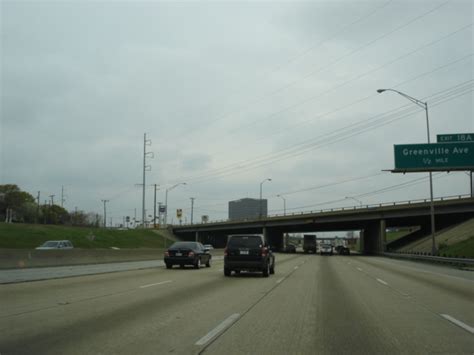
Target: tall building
[[247, 208]]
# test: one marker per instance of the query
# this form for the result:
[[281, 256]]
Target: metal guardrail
[[438, 259]]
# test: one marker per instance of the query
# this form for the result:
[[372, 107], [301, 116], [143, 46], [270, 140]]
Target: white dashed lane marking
[[219, 329], [158, 283], [458, 323]]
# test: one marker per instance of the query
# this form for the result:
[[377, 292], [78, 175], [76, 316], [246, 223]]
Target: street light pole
[[192, 208], [105, 212], [284, 204], [425, 106], [268, 179], [154, 205], [166, 200]]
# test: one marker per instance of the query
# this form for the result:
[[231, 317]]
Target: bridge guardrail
[[338, 209], [442, 259]]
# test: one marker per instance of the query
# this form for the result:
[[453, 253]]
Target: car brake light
[[264, 251], [191, 254], [225, 252], [167, 253]]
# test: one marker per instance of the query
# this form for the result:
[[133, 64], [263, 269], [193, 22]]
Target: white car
[[325, 249], [55, 244]]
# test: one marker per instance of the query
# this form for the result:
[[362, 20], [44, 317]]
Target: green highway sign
[[455, 137], [434, 157]]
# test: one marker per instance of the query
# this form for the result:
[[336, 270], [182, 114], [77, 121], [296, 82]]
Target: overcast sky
[[229, 93]]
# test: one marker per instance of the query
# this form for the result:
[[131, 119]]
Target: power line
[[334, 136], [365, 45], [294, 58], [408, 106], [357, 77]]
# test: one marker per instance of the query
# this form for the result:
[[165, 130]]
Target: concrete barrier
[[26, 258]]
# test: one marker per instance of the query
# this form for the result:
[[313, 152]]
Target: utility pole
[[192, 208], [38, 208], [62, 196], [471, 184], [145, 169], [52, 199], [105, 212]]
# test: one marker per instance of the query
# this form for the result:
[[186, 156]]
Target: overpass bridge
[[371, 220]]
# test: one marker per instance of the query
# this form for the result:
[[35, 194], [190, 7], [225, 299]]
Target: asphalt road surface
[[312, 305]]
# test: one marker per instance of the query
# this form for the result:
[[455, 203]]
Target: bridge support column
[[197, 236], [273, 237], [373, 239]]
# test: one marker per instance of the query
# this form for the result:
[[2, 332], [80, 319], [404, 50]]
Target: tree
[[20, 202], [54, 214]]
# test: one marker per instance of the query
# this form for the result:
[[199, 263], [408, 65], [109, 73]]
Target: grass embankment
[[394, 235], [461, 249], [29, 236]]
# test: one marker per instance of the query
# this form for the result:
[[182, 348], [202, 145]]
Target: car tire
[[266, 271], [197, 265], [169, 266], [272, 269], [227, 272], [208, 264], [181, 266]]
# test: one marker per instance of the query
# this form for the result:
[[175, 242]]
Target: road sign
[[455, 137], [179, 213], [434, 157]]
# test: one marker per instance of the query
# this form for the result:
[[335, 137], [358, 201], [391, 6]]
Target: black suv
[[248, 253]]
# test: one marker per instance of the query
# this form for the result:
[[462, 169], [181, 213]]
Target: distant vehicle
[[55, 244], [326, 249], [187, 253], [248, 253], [290, 248], [344, 251], [208, 246], [309, 243]]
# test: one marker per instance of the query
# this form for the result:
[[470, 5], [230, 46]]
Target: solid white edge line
[[159, 283], [458, 323], [219, 329], [382, 282]]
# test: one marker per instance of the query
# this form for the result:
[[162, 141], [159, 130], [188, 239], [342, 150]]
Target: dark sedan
[[187, 253]]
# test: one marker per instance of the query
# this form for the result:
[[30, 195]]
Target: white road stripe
[[458, 323], [159, 283], [296, 268], [359, 269], [219, 329], [382, 282], [280, 280]]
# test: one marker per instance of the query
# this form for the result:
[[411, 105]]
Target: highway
[[312, 305]]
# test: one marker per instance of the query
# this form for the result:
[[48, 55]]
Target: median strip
[[458, 323], [158, 283], [219, 329]]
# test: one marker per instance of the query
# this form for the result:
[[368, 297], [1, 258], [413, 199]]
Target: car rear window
[[184, 245], [245, 242]]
